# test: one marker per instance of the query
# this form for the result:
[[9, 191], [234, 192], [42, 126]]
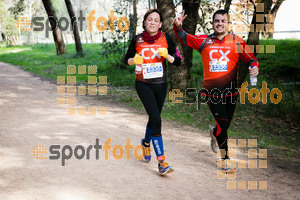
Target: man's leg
[[219, 112]]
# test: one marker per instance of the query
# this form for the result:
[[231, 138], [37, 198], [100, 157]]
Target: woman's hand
[[138, 59], [163, 52]]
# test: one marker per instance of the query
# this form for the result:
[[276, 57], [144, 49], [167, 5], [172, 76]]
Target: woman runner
[[149, 51]]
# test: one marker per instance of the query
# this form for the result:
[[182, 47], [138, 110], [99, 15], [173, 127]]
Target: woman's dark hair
[[148, 13]]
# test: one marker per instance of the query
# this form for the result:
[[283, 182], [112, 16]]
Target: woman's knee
[[155, 121]]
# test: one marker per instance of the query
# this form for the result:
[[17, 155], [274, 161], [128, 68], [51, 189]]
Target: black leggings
[[223, 112], [152, 97]]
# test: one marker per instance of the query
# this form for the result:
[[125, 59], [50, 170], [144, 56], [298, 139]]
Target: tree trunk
[[153, 3], [20, 39], [29, 32], [10, 40], [227, 5], [91, 36], [134, 18], [189, 25], [86, 39], [58, 40], [3, 37], [253, 38], [167, 10], [180, 75], [74, 26], [28, 38], [65, 35], [274, 12]]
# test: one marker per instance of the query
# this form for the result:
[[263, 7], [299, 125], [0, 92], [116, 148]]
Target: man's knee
[[223, 126]]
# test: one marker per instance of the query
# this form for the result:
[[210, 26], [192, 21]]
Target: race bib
[[152, 70], [218, 66]]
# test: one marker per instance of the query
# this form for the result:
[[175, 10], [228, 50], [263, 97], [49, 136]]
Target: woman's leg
[[147, 96], [152, 97]]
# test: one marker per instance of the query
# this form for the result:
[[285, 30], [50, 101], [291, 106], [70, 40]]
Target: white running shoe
[[213, 142]]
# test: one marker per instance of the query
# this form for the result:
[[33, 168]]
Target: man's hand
[[138, 59], [178, 20], [253, 69], [163, 52]]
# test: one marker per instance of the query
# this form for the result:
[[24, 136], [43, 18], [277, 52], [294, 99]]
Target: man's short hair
[[221, 12]]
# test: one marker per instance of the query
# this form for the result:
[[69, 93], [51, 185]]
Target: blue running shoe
[[147, 156], [164, 168]]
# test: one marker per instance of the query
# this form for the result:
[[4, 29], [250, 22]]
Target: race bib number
[[152, 70], [218, 66]]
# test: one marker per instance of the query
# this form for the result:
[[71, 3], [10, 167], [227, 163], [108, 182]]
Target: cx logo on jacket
[[223, 55]]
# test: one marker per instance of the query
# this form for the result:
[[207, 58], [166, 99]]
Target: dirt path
[[30, 116]]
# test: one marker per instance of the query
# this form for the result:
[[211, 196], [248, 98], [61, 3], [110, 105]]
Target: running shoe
[[147, 156], [227, 166], [164, 168], [213, 142]]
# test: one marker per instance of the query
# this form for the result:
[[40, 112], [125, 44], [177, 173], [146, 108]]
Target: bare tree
[[58, 39], [74, 26]]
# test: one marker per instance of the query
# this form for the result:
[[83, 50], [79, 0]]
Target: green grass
[[275, 126], [284, 64], [42, 60]]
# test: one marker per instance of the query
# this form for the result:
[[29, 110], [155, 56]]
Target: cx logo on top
[[154, 53]]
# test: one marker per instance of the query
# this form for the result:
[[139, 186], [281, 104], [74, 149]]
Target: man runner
[[220, 53]]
